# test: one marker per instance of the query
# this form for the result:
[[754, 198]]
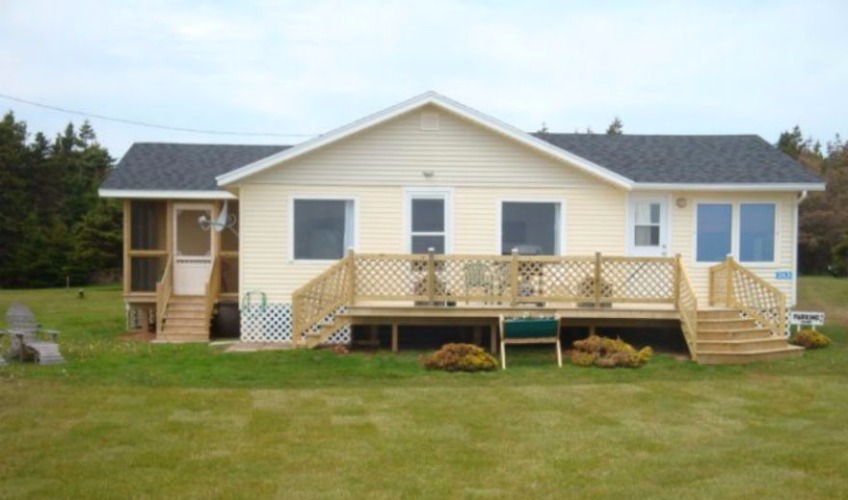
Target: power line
[[146, 124]]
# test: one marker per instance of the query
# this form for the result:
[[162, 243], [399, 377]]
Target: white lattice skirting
[[273, 323]]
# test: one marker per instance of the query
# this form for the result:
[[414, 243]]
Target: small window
[[323, 229], [428, 224], [714, 231], [756, 232], [646, 226], [532, 228]]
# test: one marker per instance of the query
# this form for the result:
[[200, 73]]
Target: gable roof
[[687, 159], [169, 167], [428, 98]]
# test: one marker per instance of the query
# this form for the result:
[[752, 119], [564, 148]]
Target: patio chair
[[529, 331], [478, 279], [25, 332]]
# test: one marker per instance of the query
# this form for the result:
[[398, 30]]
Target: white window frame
[[560, 241], [736, 231], [355, 221], [665, 222], [432, 193]]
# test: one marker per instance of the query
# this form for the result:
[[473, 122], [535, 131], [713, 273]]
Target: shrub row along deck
[[744, 321]]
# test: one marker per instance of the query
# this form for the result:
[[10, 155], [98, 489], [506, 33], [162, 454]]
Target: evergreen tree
[[616, 127]]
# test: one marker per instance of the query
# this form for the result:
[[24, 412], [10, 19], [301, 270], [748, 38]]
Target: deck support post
[[394, 337], [493, 338], [597, 283], [431, 276], [677, 274], [513, 278], [728, 286]]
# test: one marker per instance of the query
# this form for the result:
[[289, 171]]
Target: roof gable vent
[[429, 120]]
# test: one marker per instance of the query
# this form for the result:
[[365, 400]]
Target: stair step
[[186, 299], [725, 324], [718, 314], [741, 345], [735, 334], [179, 322], [185, 314], [736, 358]]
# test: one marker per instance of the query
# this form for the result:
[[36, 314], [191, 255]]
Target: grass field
[[129, 419]]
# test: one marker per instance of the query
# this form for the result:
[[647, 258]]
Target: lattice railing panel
[[759, 299], [321, 296], [638, 280], [687, 306], [391, 277], [563, 279], [718, 284]]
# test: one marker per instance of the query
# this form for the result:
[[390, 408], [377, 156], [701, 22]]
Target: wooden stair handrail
[[686, 303], [314, 301], [736, 299], [212, 290], [164, 290]]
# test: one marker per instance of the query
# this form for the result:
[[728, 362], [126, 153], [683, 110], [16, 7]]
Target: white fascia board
[[409, 105], [165, 195], [658, 186]]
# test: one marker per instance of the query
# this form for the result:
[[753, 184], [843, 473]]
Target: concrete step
[[741, 345], [738, 358], [725, 324], [735, 334]]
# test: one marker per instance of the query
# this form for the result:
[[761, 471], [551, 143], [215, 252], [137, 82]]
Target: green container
[[530, 328]]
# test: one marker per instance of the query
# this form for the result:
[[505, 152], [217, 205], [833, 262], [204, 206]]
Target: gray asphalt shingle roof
[[181, 167], [687, 159], [707, 159]]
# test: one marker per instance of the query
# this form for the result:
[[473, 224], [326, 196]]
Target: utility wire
[[146, 124]]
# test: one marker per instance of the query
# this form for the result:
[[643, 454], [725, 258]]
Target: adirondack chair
[[25, 332], [529, 331]]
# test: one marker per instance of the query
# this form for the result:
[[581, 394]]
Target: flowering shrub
[[810, 339], [460, 358], [608, 353]]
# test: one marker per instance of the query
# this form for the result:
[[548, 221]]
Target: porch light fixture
[[681, 202], [428, 174]]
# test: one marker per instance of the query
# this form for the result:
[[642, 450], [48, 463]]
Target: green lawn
[[132, 419]]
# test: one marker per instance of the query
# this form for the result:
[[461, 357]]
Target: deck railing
[[735, 286], [687, 306], [212, 290], [164, 289], [513, 279]]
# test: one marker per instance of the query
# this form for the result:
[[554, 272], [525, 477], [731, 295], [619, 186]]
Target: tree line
[[53, 226]]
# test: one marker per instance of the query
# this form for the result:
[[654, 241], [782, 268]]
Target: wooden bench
[[529, 331], [25, 332]]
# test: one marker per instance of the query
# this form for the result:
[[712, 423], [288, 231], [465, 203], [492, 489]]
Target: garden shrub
[[810, 339], [608, 353], [460, 358]]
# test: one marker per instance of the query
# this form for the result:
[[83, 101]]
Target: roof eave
[[751, 186], [409, 105], [156, 194]]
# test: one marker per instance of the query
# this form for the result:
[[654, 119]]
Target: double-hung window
[[428, 224], [745, 230], [532, 228], [323, 228]]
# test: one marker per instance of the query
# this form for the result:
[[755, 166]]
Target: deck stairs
[[726, 337], [185, 320], [324, 330]]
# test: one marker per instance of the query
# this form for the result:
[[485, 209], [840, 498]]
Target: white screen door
[[648, 226], [193, 250]]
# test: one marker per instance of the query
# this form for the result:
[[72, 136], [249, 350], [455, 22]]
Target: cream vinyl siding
[[482, 169], [683, 237], [398, 152]]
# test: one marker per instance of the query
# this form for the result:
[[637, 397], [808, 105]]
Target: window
[[323, 229], [646, 226], [756, 232], [746, 230], [714, 231], [428, 221], [533, 228]]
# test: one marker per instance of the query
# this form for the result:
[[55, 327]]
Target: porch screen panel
[[192, 239], [229, 238], [756, 232], [530, 227], [147, 225], [714, 231], [322, 229]]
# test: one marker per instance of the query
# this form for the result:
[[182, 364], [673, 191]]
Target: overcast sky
[[309, 66]]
